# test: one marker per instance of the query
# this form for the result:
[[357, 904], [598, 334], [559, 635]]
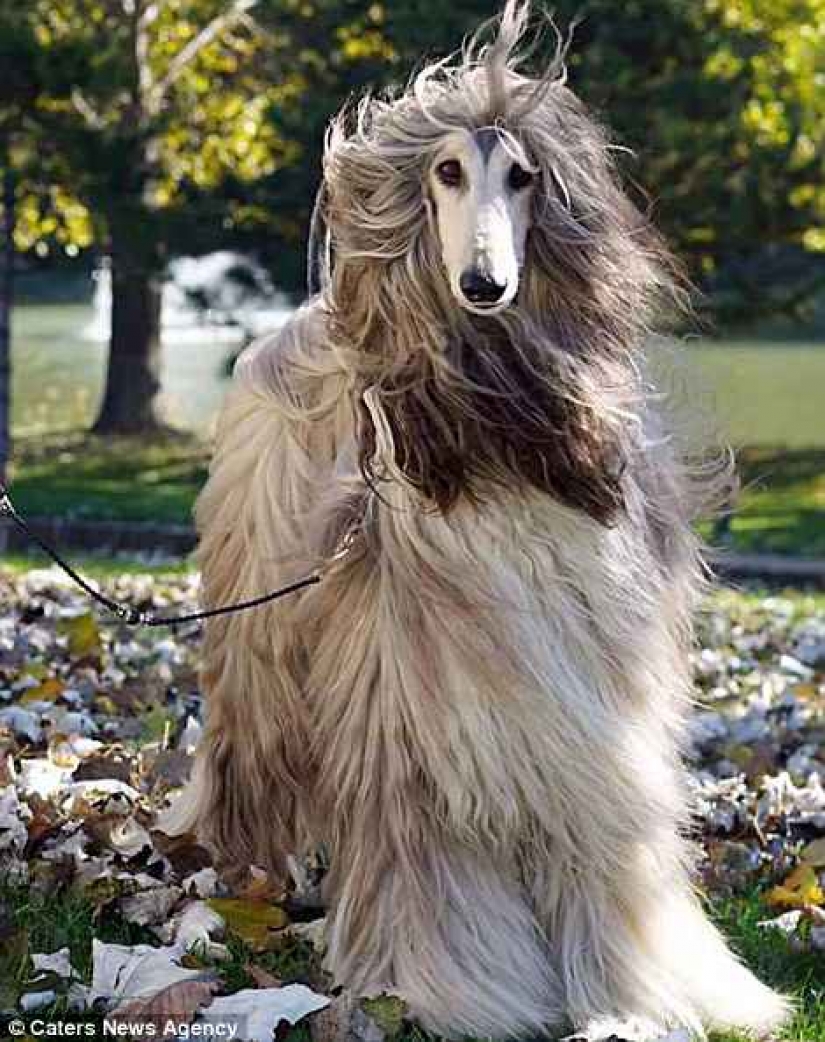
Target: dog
[[480, 708]]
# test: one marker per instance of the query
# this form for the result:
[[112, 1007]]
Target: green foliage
[[129, 104]]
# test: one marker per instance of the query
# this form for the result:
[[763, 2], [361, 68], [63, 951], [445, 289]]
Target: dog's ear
[[319, 245]]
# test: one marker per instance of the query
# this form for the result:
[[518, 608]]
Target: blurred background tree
[[143, 130], [140, 123], [106, 135]]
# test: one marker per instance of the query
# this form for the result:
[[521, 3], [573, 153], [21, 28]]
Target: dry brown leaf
[[114, 762], [262, 978], [334, 1024], [40, 828], [48, 690], [183, 852], [261, 887], [179, 1003]]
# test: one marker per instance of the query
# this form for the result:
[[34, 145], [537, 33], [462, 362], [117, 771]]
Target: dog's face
[[480, 185]]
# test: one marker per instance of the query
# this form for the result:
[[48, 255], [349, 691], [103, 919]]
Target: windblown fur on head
[[543, 394]]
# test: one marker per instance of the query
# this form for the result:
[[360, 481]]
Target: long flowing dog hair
[[480, 709], [540, 394]]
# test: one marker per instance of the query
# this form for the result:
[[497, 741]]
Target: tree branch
[[189, 53], [84, 109], [143, 19]]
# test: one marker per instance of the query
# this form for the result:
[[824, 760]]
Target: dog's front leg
[[420, 904], [250, 791], [446, 927], [633, 945]]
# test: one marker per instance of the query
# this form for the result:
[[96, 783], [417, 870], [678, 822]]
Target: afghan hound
[[481, 706]]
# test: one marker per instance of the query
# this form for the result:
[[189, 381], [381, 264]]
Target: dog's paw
[[626, 1029]]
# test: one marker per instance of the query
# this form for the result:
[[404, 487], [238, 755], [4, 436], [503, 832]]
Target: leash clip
[[131, 615]]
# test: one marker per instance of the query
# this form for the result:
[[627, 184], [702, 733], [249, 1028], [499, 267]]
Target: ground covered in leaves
[[101, 913]]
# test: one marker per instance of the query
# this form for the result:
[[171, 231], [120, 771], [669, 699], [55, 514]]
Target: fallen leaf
[[198, 926], [139, 972], [48, 690], [38, 670], [83, 633], [183, 852], [179, 1004], [111, 763], [41, 828], [260, 1012], [21, 722], [261, 977], [261, 886], [345, 1021], [313, 933], [799, 889], [30, 1001], [170, 768], [334, 1023], [58, 962], [203, 883], [40, 775], [14, 818], [150, 907], [814, 853], [249, 920], [128, 838], [787, 923], [103, 890], [388, 1012]]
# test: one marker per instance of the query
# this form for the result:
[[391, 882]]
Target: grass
[[766, 952], [727, 599], [33, 921], [46, 922], [58, 373], [763, 393], [126, 479], [782, 507]]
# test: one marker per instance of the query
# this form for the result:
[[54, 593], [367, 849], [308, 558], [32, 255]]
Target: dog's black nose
[[479, 288]]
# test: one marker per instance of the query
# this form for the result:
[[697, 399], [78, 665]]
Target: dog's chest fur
[[497, 643]]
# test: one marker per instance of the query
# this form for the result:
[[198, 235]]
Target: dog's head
[[483, 256], [482, 175], [480, 184]]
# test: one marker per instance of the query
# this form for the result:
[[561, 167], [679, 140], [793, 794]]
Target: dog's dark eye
[[518, 177], [449, 172]]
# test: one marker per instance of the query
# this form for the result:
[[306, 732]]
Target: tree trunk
[[6, 297], [130, 401]]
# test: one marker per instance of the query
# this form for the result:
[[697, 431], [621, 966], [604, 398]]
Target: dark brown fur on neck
[[499, 417]]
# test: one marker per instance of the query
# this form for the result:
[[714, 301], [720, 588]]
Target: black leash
[[133, 616]]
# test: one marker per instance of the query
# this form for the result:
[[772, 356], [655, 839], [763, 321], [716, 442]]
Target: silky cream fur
[[480, 710]]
